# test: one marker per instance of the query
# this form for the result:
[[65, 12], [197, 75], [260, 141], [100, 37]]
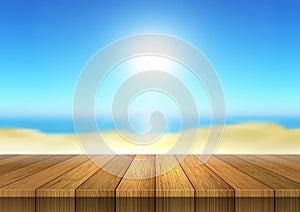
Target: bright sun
[[157, 63]]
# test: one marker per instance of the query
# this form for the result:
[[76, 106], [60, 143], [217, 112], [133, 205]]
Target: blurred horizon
[[64, 125]]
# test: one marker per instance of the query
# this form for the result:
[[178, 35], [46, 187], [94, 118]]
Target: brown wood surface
[[14, 197], [101, 187], [65, 185], [6, 156], [12, 159], [23, 172], [244, 185], [287, 191], [136, 191], [283, 186], [20, 163], [250, 194], [59, 194], [295, 158], [174, 192], [281, 161], [274, 167], [27, 186], [211, 192], [30, 183]]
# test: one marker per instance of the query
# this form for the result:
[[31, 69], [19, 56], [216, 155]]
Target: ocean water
[[65, 125]]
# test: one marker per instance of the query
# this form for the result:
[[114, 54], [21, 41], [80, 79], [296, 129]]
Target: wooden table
[[74, 183]]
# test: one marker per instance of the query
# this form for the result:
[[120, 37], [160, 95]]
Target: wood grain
[[281, 161], [211, 192], [244, 185], [21, 163], [98, 192], [31, 183], [136, 191], [40, 165], [20, 195], [274, 167], [59, 194], [295, 158], [250, 194], [65, 185], [26, 187], [286, 190], [174, 191], [17, 204], [7, 160], [283, 187]]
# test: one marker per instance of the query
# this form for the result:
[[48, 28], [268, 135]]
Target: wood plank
[[284, 204], [98, 192], [6, 156], [295, 158], [250, 194], [174, 191], [26, 187], [20, 195], [65, 185], [59, 183], [21, 163], [18, 174], [17, 204], [244, 185], [273, 167], [211, 192], [59, 194], [205, 181], [281, 161], [7, 160], [283, 186], [136, 191]]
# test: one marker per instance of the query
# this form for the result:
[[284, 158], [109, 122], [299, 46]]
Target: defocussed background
[[253, 45]]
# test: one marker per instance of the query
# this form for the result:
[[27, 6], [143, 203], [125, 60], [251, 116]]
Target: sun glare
[[153, 63]]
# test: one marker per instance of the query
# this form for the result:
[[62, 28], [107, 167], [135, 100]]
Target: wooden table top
[[269, 178]]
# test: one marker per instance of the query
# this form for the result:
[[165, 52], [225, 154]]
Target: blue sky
[[253, 45]]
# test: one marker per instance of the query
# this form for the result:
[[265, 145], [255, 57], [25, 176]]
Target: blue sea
[[65, 125]]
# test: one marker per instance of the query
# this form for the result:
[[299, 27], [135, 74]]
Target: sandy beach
[[251, 138]]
